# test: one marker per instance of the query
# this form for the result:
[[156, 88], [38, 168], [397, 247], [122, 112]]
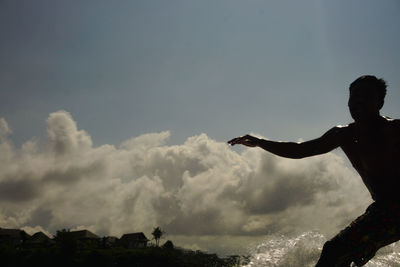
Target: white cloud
[[4, 128], [199, 188], [63, 135]]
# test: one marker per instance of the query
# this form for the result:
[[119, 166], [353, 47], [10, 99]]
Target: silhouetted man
[[372, 144]]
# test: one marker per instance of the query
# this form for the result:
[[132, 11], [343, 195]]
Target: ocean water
[[304, 251]]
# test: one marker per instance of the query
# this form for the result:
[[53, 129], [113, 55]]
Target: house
[[82, 235], [133, 240], [12, 237], [81, 238], [39, 239]]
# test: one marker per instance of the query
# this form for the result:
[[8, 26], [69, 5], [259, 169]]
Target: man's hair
[[378, 84]]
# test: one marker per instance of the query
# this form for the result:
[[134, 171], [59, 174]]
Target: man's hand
[[246, 140]]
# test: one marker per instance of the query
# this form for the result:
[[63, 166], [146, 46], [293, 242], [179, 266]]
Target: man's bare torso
[[374, 151]]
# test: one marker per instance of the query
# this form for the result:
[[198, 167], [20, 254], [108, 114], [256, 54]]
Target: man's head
[[367, 94]]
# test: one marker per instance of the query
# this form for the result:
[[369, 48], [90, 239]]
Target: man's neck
[[370, 122]]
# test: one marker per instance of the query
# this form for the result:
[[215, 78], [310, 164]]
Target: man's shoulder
[[350, 126], [391, 121], [342, 128], [339, 131], [394, 124]]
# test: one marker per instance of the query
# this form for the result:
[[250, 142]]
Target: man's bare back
[[372, 144]]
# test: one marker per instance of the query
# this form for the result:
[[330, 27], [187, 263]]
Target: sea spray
[[282, 251], [386, 256], [304, 251]]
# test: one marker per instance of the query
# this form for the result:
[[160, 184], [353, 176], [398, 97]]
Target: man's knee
[[329, 251], [334, 254]]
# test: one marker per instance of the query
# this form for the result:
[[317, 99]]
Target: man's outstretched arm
[[329, 141]]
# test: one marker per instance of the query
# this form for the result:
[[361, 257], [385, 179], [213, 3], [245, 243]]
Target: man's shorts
[[377, 227]]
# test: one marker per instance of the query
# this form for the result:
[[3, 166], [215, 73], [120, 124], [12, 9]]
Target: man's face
[[364, 102]]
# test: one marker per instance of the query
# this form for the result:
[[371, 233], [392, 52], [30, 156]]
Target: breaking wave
[[304, 251]]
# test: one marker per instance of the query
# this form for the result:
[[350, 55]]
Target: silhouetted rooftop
[[134, 236]]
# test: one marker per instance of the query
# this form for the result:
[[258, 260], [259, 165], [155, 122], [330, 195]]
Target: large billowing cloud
[[198, 192]]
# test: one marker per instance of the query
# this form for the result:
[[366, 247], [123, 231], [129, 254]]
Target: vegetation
[[157, 234], [83, 248], [152, 256]]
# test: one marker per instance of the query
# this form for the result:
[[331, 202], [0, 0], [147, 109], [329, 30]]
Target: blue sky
[[225, 68], [107, 102]]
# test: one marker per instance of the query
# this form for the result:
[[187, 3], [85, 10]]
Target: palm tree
[[157, 234]]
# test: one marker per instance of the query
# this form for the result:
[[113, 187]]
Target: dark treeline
[[151, 256], [67, 250]]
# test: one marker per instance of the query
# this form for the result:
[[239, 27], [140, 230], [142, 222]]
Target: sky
[[114, 116]]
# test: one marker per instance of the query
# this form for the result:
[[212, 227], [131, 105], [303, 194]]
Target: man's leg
[[335, 254], [377, 227], [341, 250]]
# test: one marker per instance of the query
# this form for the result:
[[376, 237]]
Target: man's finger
[[234, 140], [231, 141]]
